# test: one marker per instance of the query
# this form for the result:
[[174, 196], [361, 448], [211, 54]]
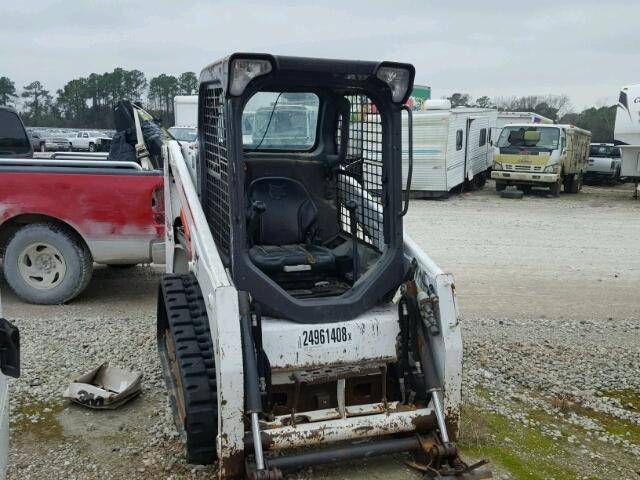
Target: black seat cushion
[[290, 213], [292, 258]]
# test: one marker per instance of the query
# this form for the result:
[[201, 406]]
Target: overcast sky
[[586, 49]]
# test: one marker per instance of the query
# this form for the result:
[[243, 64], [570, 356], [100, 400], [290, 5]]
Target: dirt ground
[[537, 261]]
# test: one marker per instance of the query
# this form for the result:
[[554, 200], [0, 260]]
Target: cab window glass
[[280, 121], [13, 137]]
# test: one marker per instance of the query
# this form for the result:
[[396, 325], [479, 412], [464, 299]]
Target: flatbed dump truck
[[295, 310]]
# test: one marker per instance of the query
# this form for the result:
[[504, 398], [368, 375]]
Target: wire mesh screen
[[360, 175], [216, 162]]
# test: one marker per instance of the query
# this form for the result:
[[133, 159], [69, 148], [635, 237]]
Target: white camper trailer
[[185, 109], [627, 132], [505, 118], [450, 147]]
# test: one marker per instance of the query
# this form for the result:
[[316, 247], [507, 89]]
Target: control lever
[[352, 206], [258, 207]]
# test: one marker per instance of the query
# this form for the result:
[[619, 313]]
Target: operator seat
[[283, 232]]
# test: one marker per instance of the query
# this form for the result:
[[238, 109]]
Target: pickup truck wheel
[[47, 264], [92, 147]]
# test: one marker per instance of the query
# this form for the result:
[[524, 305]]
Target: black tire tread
[[184, 315]]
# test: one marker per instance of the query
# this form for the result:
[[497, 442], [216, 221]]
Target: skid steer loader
[[297, 323]]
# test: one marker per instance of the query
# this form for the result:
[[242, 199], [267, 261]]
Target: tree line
[[87, 102], [598, 120]]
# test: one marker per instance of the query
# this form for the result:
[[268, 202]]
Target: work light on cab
[[243, 71], [398, 80]]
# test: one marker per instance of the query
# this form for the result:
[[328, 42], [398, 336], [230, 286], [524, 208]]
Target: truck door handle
[[9, 348]]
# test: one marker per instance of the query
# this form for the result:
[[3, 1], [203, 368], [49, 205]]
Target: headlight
[[551, 168], [243, 70], [497, 166]]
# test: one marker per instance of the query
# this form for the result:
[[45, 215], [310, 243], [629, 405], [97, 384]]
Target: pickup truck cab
[[91, 141], [14, 141], [61, 214], [604, 161]]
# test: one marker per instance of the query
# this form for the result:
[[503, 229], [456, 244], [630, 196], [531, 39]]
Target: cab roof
[[352, 70]]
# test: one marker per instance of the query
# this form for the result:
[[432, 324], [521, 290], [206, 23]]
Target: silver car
[[50, 142]]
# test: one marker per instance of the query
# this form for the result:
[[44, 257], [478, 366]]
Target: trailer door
[[477, 158]]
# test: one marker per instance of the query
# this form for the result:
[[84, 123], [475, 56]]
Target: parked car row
[[50, 140]]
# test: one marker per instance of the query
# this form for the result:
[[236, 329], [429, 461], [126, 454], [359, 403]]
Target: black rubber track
[[182, 312]]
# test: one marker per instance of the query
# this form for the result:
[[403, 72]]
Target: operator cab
[[302, 186]]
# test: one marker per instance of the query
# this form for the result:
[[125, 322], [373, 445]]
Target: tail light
[[157, 204]]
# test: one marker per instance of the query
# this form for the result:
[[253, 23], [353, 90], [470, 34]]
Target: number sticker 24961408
[[324, 336]]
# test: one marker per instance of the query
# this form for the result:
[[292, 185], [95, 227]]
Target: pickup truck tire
[[188, 363], [92, 147], [47, 264]]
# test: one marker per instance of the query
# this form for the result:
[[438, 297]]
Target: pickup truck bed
[[53, 210]]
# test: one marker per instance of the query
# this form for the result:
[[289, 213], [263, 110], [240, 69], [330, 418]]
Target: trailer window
[[459, 140], [483, 137], [13, 138], [280, 121]]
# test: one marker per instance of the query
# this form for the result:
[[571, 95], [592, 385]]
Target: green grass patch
[[522, 451], [46, 426], [630, 399], [611, 424]]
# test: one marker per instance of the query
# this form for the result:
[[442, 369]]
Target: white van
[[451, 146]]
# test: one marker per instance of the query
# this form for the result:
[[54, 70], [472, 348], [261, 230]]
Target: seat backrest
[[290, 212]]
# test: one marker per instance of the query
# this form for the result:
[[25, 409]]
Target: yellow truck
[[535, 155]]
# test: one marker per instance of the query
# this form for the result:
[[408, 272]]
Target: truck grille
[[360, 175], [523, 168], [216, 165]]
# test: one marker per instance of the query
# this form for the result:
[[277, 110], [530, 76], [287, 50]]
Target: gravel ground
[[548, 290]]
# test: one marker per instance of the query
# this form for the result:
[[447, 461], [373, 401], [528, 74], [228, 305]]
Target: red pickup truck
[[59, 215]]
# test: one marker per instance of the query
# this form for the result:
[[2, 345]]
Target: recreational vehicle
[[627, 132], [552, 156], [450, 148]]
